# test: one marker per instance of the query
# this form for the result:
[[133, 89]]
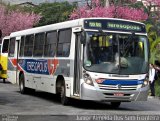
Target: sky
[[35, 1]]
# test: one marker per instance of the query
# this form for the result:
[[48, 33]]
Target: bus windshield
[[116, 53]]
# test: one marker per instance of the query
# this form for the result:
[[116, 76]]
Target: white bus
[[99, 59]]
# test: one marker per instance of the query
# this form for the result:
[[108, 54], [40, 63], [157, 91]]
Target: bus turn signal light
[[101, 80]]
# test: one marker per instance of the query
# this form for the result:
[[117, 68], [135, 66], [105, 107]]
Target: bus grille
[[118, 87]]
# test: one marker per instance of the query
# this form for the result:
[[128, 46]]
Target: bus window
[[38, 44], [22, 46], [5, 46], [28, 48], [64, 43], [50, 44], [11, 47]]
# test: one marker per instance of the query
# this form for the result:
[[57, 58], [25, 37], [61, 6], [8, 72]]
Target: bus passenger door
[[77, 66], [11, 73], [13, 59]]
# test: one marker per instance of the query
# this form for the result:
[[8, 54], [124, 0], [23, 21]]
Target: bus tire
[[4, 80], [22, 87], [64, 99], [115, 104]]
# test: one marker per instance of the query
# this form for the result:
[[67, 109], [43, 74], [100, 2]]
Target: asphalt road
[[40, 106]]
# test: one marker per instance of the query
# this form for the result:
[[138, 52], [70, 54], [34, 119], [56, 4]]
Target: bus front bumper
[[93, 93]]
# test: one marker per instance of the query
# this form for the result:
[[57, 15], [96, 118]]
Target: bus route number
[[95, 24]]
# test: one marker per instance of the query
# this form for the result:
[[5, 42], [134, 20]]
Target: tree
[[50, 12], [117, 9], [53, 12], [11, 21], [154, 40], [153, 29]]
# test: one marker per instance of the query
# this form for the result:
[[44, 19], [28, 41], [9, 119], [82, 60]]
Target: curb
[[155, 97]]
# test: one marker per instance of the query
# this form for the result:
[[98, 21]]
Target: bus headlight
[[145, 82], [88, 79]]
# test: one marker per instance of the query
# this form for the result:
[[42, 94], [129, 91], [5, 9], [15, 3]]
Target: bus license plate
[[118, 94]]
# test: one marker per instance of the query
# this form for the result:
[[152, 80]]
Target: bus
[[4, 58], [99, 59]]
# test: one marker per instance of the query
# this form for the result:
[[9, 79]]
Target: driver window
[[140, 49], [101, 49]]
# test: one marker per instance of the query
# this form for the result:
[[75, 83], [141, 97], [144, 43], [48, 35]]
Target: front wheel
[[64, 99], [22, 87], [115, 104]]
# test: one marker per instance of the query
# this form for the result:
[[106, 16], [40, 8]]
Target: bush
[[157, 87]]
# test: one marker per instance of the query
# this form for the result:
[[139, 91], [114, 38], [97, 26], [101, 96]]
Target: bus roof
[[62, 25], [6, 37]]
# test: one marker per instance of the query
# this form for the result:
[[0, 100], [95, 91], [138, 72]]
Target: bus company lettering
[[37, 67]]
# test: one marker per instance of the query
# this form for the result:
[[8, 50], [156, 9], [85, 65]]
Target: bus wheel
[[4, 80], [115, 104], [64, 99], [22, 84]]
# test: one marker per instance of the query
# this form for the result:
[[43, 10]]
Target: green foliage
[[138, 4], [15, 7], [154, 40], [53, 12], [157, 88]]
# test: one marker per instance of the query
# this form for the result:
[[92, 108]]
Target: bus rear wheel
[[22, 87], [64, 99], [115, 104]]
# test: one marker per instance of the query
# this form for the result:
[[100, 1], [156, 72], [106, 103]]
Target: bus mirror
[[82, 38]]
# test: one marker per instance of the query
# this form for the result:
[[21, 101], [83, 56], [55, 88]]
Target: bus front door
[[77, 66]]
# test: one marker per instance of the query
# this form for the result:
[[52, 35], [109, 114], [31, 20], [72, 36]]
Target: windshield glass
[[116, 53]]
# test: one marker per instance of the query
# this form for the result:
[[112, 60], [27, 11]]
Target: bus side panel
[[64, 68], [11, 76], [11, 73], [47, 83], [30, 82]]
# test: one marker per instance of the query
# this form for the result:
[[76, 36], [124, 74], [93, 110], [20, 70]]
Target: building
[[27, 4]]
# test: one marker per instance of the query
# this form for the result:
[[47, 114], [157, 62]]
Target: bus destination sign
[[114, 25], [129, 27]]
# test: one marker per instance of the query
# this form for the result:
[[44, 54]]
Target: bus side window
[[39, 44], [64, 43], [28, 48], [21, 52], [11, 47], [50, 44], [5, 46]]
